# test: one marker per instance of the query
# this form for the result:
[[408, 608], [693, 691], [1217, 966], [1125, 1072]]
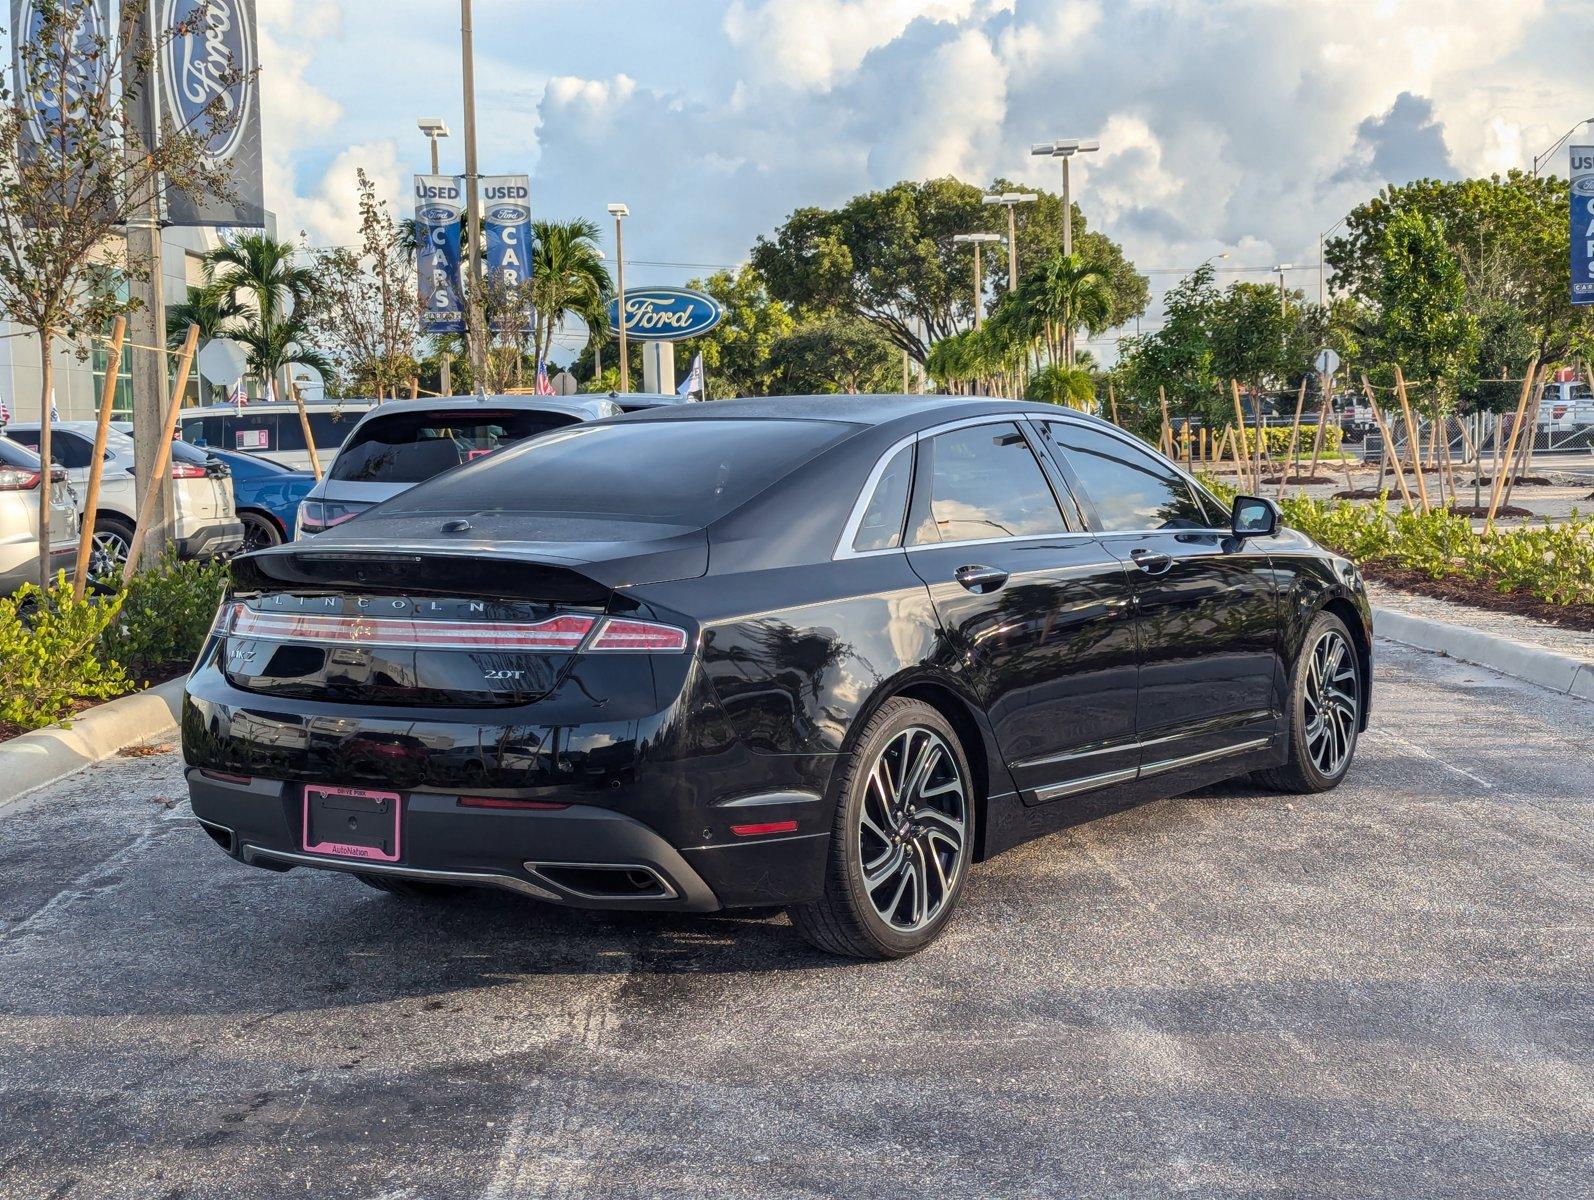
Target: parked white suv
[[206, 522], [404, 442], [19, 518]]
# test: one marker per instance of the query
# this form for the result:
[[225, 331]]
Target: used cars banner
[[438, 209], [1582, 176]]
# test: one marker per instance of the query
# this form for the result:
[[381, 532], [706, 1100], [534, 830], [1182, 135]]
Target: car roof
[[863, 410], [223, 408], [570, 405]]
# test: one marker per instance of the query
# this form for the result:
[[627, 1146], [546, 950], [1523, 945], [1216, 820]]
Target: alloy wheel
[[912, 829], [1332, 703], [109, 554]]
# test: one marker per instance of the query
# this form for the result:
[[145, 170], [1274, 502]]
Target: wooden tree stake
[[91, 497], [1295, 437], [1389, 445], [1412, 442], [1510, 449], [163, 457]]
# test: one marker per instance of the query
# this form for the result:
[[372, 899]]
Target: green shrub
[[166, 613], [48, 659], [1276, 440]]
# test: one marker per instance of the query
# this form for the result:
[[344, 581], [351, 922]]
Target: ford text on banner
[[214, 55], [1582, 176], [438, 210]]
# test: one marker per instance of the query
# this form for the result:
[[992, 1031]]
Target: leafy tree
[[1510, 237], [835, 354], [1178, 357], [75, 168], [273, 291], [366, 316], [888, 257], [1068, 386], [1248, 330], [738, 352], [568, 279], [1057, 298], [1423, 321]]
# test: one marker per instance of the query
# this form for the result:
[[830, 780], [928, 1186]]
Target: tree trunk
[[46, 467]]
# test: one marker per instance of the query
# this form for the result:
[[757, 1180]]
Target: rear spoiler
[[411, 572]]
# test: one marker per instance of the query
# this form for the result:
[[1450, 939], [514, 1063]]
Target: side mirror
[[1254, 516]]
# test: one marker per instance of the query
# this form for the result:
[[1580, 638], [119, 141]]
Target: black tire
[[259, 532], [412, 889], [886, 920], [1324, 724], [113, 537]]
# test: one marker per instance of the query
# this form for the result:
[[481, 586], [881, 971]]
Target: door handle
[[980, 580], [1152, 562]]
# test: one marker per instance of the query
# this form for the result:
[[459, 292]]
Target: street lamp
[[620, 212], [977, 240], [1279, 270], [434, 129], [1065, 149], [1559, 142], [1011, 201]]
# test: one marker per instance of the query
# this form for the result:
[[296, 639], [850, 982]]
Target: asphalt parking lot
[[1384, 991]]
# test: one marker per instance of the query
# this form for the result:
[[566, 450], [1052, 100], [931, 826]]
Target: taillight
[[316, 516], [18, 479], [182, 470], [641, 636]]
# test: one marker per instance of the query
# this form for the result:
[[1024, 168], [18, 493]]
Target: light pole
[[1011, 201], [473, 216], [434, 129], [977, 240], [620, 212], [1559, 142], [1065, 149], [1279, 270]]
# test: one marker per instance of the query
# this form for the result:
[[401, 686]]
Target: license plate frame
[[372, 823]]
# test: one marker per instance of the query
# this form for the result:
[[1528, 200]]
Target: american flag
[[544, 388], [5, 414], [55, 413], [240, 395]]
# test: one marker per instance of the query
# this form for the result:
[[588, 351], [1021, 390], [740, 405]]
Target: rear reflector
[[764, 827], [224, 777], [618, 634], [500, 802]]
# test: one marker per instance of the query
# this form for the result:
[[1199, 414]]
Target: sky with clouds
[[1240, 125]]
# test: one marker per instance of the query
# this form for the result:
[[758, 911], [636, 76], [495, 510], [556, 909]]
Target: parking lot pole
[[475, 333], [91, 496], [163, 456]]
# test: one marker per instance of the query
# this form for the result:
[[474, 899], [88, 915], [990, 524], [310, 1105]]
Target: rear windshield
[[668, 472], [412, 447]]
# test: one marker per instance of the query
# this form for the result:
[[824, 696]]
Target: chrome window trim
[[844, 548]]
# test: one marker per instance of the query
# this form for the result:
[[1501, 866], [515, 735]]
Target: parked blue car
[[267, 496]]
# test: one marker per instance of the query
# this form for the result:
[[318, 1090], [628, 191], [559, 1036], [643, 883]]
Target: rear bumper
[[582, 855], [207, 541]]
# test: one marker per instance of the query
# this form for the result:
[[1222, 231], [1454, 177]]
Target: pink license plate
[[352, 823]]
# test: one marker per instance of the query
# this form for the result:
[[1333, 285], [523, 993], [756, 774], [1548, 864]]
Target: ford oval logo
[[84, 76], [1583, 185], [666, 314], [507, 214], [436, 215], [214, 57]]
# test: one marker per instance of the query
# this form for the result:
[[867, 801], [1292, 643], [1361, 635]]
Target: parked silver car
[[19, 518], [206, 521], [273, 429], [404, 442]]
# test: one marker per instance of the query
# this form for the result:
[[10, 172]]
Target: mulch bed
[[1298, 479], [1461, 510], [149, 677], [1477, 595], [1521, 481]]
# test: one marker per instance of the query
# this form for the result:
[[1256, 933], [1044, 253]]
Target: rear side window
[[985, 483], [205, 431], [1130, 489], [14, 455], [881, 526], [412, 447], [685, 472]]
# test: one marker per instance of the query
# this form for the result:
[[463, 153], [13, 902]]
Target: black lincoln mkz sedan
[[824, 653]]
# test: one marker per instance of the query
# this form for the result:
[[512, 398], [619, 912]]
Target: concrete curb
[[46, 755], [1562, 673]]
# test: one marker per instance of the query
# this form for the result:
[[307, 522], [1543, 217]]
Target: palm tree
[[212, 311], [1060, 296], [568, 279], [271, 292]]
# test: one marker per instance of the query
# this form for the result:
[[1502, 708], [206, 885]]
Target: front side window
[[984, 482], [881, 527], [1130, 489]]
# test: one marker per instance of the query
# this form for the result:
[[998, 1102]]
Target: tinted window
[[1130, 489], [205, 431], [411, 447], [670, 472], [881, 527], [331, 429], [985, 483], [14, 455]]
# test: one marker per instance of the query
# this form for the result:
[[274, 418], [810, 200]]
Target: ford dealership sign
[[666, 314]]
